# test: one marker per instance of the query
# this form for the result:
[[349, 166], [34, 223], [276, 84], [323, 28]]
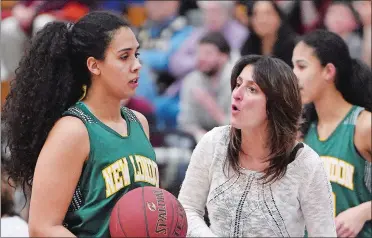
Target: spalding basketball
[[148, 212]]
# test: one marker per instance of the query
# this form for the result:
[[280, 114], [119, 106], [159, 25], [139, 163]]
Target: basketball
[[148, 212]]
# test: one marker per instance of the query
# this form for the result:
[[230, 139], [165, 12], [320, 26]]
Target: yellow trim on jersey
[[339, 171]]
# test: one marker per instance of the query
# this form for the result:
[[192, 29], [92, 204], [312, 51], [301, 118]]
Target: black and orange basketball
[[148, 212]]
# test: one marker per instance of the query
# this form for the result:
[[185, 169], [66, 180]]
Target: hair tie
[[70, 25], [84, 87]]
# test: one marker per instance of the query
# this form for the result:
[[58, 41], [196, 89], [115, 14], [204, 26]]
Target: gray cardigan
[[241, 206]]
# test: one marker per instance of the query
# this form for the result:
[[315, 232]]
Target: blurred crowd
[[188, 49], [187, 41]]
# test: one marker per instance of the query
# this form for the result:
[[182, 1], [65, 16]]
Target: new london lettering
[[146, 170], [339, 171], [117, 175]]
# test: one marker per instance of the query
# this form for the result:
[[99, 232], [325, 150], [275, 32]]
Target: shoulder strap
[[79, 113], [132, 117], [353, 117], [130, 114], [295, 150]]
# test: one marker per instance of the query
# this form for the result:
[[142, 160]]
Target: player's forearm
[[365, 210], [53, 231]]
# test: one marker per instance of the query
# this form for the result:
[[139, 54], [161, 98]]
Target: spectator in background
[[118, 7], [26, 19], [12, 225], [205, 95], [304, 16], [218, 16], [186, 6], [14, 32], [147, 86], [343, 20], [241, 12], [133, 10], [269, 32], [163, 33], [364, 10]]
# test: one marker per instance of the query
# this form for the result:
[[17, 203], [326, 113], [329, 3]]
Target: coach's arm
[[195, 188]]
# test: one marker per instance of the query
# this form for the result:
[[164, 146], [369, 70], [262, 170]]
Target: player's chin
[[129, 92], [305, 97]]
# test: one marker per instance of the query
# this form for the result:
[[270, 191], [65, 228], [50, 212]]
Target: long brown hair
[[280, 85]]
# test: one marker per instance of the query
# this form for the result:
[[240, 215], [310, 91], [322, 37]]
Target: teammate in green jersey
[[338, 124], [78, 149]]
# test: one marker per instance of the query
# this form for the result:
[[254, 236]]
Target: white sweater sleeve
[[317, 203], [195, 188]]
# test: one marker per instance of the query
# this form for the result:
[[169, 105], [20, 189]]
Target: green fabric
[[344, 165], [116, 165]]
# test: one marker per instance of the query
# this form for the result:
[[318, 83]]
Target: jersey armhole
[[367, 164], [78, 113], [355, 119]]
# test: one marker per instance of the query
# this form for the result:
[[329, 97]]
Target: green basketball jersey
[[116, 165], [347, 170]]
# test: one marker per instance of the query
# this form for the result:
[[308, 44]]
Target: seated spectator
[[269, 32], [118, 7], [342, 19], [205, 93], [241, 12], [26, 19], [364, 10], [304, 16], [133, 10], [162, 34], [12, 225], [218, 16], [147, 86]]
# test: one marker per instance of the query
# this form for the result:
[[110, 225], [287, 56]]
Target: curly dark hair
[[48, 81], [284, 109]]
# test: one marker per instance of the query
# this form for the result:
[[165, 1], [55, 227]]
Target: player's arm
[[351, 221], [144, 122], [362, 138], [57, 172]]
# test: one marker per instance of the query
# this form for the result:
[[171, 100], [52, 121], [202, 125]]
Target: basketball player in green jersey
[[78, 149], [338, 126]]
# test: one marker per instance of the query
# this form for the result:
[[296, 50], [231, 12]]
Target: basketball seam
[[122, 229], [144, 211]]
